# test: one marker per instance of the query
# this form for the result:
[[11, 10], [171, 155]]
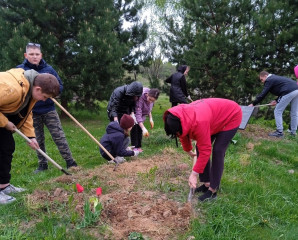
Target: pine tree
[[80, 39], [226, 43]]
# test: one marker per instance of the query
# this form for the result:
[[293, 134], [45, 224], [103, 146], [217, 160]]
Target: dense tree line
[[85, 41], [226, 43]]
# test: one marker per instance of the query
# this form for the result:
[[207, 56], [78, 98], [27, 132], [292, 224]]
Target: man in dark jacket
[[178, 90], [287, 91], [123, 100], [44, 112]]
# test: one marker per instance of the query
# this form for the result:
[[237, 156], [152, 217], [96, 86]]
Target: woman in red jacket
[[207, 121]]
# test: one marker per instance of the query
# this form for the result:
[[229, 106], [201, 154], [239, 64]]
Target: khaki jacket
[[13, 90]]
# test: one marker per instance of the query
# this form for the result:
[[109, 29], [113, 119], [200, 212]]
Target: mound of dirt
[[152, 215], [129, 205]]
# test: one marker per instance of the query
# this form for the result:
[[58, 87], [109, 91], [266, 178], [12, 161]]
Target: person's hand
[[192, 154], [136, 153], [151, 123], [116, 119], [145, 132], [189, 98], [193, 179], [273, 103], [134, 117], [250, 105], [10, 126], [33, 144]]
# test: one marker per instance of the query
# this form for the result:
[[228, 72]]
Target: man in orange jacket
[[206, 121], [19, 91]]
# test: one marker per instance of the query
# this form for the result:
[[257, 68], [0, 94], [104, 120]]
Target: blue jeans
[[290, 98]]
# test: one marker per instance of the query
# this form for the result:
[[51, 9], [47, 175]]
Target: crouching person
[[19, 91], [116, 139]]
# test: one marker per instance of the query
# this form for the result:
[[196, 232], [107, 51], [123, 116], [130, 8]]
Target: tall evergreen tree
[[224, 43], [80, 39]]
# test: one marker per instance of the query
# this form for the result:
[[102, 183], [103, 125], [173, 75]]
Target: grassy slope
[[257, 200]]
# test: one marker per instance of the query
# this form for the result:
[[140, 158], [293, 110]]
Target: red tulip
[[79, 188], [98, 191]]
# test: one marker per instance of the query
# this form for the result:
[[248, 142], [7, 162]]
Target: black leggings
[[214, 169], [7, 147], [136, 135]]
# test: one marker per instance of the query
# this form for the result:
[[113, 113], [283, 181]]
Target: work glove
[[189, 98], [134, 117], [145, 132], [136, 153], [151, 122]]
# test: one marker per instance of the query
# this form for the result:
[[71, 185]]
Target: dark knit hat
[[126, 121]]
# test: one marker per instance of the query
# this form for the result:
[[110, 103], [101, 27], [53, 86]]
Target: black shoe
[[41, 167], [207, 196], [276, 134], [71, 164], [201, 188]]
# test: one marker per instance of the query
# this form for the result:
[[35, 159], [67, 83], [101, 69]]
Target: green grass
[[257, 199]]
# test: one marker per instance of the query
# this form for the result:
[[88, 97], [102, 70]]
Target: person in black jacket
[[123, 100], [116, 140], [287, 91], [178, 91]]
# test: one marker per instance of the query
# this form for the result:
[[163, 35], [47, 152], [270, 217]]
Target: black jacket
[[278, 86], [112, 141], [178, 90], [122, 100]]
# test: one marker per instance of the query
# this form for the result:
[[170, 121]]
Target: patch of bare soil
[[257, 132], [152, 215], [128, 205]]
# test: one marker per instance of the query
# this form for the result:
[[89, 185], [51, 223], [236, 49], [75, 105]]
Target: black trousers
[[136, 135], [7, 147], [214, 169]]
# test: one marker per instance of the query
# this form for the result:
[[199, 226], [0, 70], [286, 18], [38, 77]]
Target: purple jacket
[[143, 107]]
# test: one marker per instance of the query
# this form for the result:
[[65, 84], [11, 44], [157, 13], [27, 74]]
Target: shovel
[[192, 190], [86, 131], [42, 152]]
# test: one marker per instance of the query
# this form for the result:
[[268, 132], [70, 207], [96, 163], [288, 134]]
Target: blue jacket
[[112, 141], [278, 86], [42, 107]]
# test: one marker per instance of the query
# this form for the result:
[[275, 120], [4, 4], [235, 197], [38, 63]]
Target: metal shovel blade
[[190, 195]]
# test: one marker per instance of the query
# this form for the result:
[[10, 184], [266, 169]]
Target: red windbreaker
[[203, 118]]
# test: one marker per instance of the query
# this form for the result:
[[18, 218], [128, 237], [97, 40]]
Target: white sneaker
[[4, 199], [12, 189]]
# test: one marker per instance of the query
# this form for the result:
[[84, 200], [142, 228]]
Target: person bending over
[[212, 123], [19, 92]]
